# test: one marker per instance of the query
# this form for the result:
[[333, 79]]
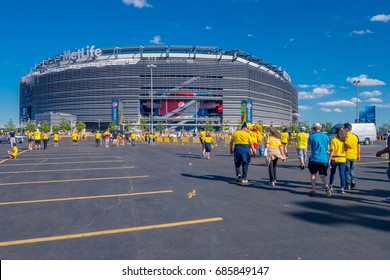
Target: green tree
[[10, 125], [129, 125], [327, 126], [225, 126], [385, 128], [65, 125], [80, 126], [209, 127], [44, 126], [114, 126], [159, 126], [144, 124], [56, 128], [31, 126]]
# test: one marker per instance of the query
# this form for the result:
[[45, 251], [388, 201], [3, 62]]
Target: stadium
[[177, 86]]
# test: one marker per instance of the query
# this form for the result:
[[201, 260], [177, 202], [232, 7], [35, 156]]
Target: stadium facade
[[190, 86]]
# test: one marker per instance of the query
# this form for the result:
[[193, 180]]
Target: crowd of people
[[340, 153]]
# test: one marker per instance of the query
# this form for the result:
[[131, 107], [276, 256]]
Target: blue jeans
[[342, 166], [350, 171]]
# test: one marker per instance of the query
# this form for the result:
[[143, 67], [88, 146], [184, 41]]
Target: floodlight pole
[[356, 82], [151, 66]]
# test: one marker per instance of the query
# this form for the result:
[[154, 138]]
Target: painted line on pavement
[[106, 232], [69, 162], [46, 158], [83, 197], [63, 170], [73, 180]]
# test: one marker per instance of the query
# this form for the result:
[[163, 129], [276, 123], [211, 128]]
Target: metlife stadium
[[191, 86]]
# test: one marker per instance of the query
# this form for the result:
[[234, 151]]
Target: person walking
[[352, 149], [275, 151], [202, 135], [133, 137], [75, 138], [337, 158], [56, 139], [45, 138], [98, 138], [284, 136], [318, 160], [12, 138], [107, 138], [208, 141], [302, 137], [243, 147], [30, 139], [37, 139], [380, 153]]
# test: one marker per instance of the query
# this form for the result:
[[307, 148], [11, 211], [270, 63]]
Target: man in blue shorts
[[318, 161]]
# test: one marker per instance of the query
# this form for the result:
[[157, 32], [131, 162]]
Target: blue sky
[[323, 45]]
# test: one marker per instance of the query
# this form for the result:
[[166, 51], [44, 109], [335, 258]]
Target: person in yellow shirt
[[302, 138], [254, 137], [75, 138], [275, 151], [284, 136], [337, 158], [37, 139], [30, 139], [98, 138], [14, 152], [202, 135], [352, 149], [243, 148], [133, 137], [56, 138], [45, 138], [208, 141]]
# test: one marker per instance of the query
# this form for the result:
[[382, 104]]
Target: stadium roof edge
[[211, 50]]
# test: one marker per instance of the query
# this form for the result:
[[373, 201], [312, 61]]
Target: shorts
[[37, 142], [302, 153], [320, 167]]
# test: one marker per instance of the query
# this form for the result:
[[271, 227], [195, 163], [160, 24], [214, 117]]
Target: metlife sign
[[88, 52]]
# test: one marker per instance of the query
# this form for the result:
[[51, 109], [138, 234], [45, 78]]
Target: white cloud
[[365, 81], [369, 94], [250, 35], [361, 32], [328, 110], [341, 103], [208, 27], [304, 108], [381, 17], [304, 86], [373, 100], [317, 92], [137, 3], [382, 105], [291, 40], [156, 40]]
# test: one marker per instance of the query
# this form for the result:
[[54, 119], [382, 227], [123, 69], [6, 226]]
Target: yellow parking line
[[73, 180], [69, 162], [106, 232], [62, 170], [82, 197], [57, 158]]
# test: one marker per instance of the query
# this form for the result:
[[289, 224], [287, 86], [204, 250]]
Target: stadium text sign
[[82, 53]]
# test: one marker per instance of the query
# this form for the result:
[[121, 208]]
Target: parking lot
[[166, 202]]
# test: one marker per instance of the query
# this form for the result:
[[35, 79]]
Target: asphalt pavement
[[166, 202]]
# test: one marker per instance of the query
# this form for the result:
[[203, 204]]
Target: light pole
[[151, 66], [356, 82]]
